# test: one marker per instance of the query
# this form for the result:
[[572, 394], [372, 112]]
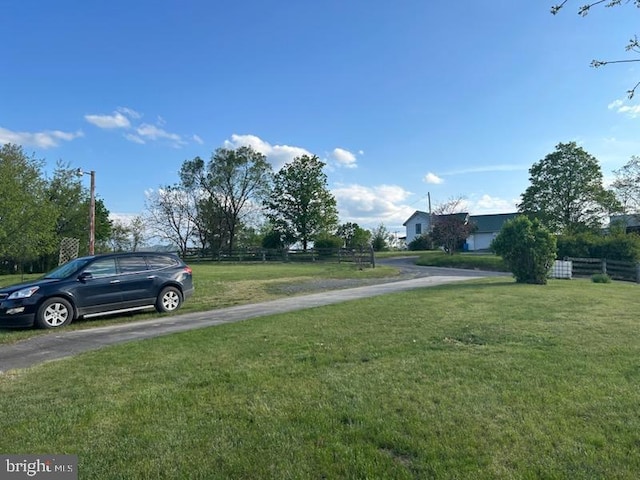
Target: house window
[[418, 229]]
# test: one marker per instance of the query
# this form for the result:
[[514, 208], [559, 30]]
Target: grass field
[[481, 380], [437, 258], [219, 285]]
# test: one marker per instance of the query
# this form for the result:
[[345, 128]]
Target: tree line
[[233, 200], [236, 200]]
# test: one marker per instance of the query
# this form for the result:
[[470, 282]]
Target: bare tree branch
[[633, 46]]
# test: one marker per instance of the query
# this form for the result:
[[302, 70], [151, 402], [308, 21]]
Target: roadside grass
[[14, 278], [220, 285], [483, 261], [480, 380]]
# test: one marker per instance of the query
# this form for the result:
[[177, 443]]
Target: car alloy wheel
[[54, 313], [169, 300]]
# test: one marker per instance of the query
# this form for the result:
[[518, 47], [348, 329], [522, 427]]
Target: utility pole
[[92, 215], [430, 215], [92, 210]]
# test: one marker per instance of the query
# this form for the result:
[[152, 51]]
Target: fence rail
[[362, 258], [617, 270]]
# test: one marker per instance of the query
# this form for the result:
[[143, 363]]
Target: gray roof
[[491, 223], [416, 214]]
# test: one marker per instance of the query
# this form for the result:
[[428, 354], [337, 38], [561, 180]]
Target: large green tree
[[300, 205], [27, 218], [566, 192], [232, 184]]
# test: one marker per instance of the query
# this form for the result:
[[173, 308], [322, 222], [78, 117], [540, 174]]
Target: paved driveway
[[63, 344]]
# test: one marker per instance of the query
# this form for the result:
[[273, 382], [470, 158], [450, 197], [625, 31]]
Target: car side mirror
[[84, 276]]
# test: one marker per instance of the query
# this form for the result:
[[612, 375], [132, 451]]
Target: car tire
[[170, 299], [54, 312]]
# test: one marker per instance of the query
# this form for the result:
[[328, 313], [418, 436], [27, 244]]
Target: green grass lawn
[[219, 285], [481, 380], [480, 261]]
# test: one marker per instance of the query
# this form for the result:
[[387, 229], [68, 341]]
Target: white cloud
[[129, 112], [134, 138], [123, 218], [433, 178], [371, 206], [615, 104], [146, 131], [197, 139], [115, 120], [44, 139], [277, 155], [487, 204], [344, 158], [619, 106]]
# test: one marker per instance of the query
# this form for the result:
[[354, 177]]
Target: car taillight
[[187, 270]]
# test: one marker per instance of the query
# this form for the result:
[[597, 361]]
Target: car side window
[[156, 262], [102, 268], [131, 263]]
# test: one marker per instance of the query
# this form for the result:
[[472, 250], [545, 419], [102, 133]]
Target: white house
[[488, 226], [417, 224]]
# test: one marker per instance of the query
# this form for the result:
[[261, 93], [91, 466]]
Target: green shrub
[[423, 242], [328, 242], [600, 278], [527, 248], [273, 239], [621, 247], [618, 246], [579, 245]]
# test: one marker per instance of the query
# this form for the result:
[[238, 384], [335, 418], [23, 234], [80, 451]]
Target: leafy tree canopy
[[353, 235], [566, 192], [71, 202], [232, 183], [300, 205], [27, 218], [381, 237]]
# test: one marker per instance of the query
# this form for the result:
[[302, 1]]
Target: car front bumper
[[16, 314]]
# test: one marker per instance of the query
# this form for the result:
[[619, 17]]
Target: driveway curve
[[63, 344]]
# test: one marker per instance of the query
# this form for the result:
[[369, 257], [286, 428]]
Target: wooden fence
[[617, 270], [361, 258]]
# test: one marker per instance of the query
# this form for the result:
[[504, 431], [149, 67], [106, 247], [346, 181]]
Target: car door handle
[[151, 277], [114, 281]]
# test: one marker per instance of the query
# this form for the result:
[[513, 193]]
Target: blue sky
[[400, 99]]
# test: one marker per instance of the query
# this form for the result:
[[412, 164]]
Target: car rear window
[[157, 262], [132, 263]]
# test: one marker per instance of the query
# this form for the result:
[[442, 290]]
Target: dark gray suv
[[98, 285]]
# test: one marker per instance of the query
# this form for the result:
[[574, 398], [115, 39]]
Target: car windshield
[[63, 271]]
